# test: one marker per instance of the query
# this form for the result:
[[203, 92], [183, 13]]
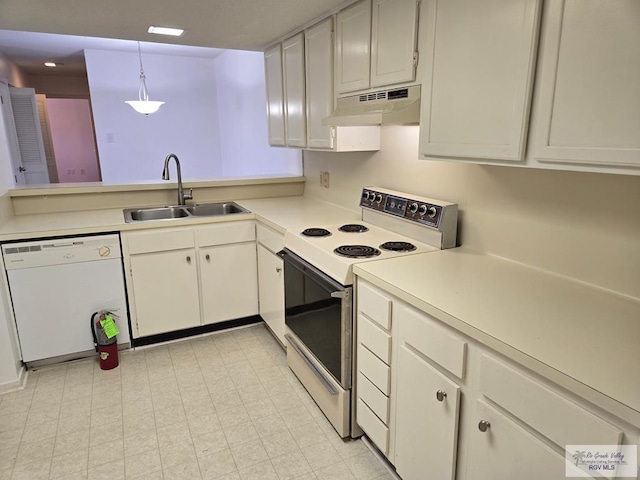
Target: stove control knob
[[413, 208], [379, 198], [366, 195], [431, 212], [423, 209], [393, 205]]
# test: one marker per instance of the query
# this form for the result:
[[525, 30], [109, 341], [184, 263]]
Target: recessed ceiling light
[[50, 64], [175, 32]]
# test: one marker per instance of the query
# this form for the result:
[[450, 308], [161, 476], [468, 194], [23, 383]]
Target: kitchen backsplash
[[581, 225]]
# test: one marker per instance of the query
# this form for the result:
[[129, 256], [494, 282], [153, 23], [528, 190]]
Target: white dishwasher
[[56, 285]]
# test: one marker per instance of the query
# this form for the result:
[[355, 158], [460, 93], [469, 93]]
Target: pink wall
[[73, 142]]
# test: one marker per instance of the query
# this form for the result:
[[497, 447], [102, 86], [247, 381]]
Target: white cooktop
[[319, 251]]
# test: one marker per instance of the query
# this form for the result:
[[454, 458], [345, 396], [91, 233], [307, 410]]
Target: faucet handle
[[189, 196]]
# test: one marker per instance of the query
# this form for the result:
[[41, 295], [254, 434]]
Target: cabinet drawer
[[432, 340], [561, 420], [374, 304], [270, 239], [377, 401], [223, 233], [374, 338], [375, 429], [160, 240], [374, 369]]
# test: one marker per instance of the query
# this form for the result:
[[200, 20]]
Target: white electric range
[[318, 277]]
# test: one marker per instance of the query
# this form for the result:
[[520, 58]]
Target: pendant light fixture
[[143, 104]]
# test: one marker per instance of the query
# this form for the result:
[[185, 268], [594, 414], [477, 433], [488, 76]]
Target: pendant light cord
[[143, 93]]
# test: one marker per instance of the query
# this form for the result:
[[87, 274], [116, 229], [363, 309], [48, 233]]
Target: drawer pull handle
[[440, 395], [188, 259], [207, 256], [278, 269], [483, 426]]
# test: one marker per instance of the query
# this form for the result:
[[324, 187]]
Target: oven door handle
[[317, 372]]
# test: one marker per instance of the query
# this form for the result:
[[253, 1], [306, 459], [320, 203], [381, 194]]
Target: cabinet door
[[426, 429], [271, 291], [506, 451], [275, 95], [353, 45], [589, 101], [319, 77], [165, 291], [393, 41], [479, 63], [295, 112], [228, 282]]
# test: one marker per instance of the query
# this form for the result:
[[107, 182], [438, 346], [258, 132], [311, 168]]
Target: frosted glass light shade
[[145, 106]]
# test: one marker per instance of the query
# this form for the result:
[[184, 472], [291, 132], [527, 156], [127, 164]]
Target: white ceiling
[[222, 24]]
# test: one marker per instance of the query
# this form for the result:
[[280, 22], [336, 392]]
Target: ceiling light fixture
[[174, 32], [143, 104], [50, 64]]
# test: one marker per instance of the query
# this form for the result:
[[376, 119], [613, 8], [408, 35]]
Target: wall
[[10, 72], [65, 86], [582, 225], [74, 147], [11, 369], [132, 146], [244, 145]]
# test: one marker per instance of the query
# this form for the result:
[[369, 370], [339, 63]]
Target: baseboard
[[18, 384]]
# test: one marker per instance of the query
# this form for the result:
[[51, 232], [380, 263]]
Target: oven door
[[318, 311]]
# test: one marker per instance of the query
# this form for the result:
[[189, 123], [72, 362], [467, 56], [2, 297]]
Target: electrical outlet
[[324, 179]]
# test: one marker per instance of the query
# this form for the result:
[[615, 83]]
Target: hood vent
[[399, 106]]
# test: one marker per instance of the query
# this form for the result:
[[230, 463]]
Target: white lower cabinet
[[427, 408], [271, 280], [503, 450], [454, 409], [271, 283], [165, 288], [228, 282], [179, 278]]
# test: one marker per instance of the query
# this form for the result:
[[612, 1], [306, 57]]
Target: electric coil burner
[[316, 232], [357, 251], [353, 228], [398, 246]]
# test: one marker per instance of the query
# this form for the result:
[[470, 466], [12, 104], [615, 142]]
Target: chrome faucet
[[182, 197]]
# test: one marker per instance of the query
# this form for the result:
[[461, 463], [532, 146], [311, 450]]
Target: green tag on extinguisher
[[109, 326]]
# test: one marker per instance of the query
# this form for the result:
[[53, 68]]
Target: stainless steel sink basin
[[208, 209], [181, 211]]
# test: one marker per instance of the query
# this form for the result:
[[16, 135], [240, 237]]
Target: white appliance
[[318, 276], [56, 285]]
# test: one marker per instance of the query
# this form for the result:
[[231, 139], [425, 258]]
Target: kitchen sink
[[173, 212], [207, 209]]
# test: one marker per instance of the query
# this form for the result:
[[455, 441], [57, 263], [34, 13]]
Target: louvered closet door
[[10, 130], [31, 146]]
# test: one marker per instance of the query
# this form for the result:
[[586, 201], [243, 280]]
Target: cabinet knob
[[440, 395], [483, 426], [278, 269], [207, 256], [188, 259]]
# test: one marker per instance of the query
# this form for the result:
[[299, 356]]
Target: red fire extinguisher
[[104, 339]]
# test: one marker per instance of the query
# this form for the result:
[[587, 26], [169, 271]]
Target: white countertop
[[280, 213], [590, 335]]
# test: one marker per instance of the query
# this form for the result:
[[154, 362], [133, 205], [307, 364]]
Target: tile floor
[[223, 406]]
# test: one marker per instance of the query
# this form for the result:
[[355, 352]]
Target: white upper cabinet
[[275, 95], [319, 78], [394, 29], [295, 112], [376, 44], [478, 78], [588, 108], [353, 41]]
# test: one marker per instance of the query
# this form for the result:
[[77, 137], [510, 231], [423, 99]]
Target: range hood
[[398, 105]]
